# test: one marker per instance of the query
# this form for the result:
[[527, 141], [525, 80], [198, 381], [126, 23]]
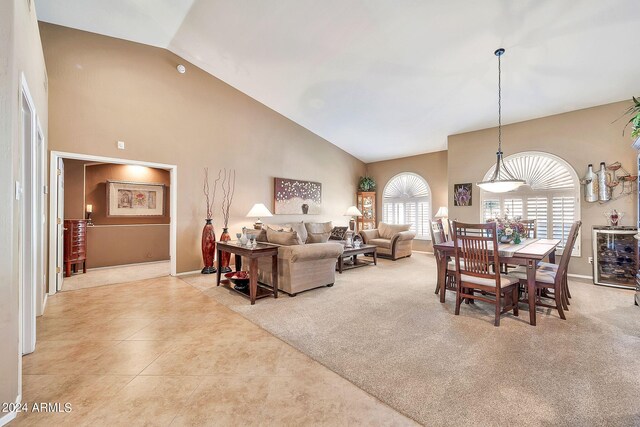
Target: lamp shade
[[259, 211], [353, 211], [443, 212]]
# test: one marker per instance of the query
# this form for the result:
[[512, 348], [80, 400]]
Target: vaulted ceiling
[[390, 78]]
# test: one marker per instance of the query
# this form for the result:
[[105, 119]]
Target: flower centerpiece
[[509, 230]]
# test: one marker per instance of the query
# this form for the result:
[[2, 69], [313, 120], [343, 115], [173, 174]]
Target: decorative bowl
[[240, 283]]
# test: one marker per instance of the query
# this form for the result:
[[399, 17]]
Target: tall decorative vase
[[208, 247], [225, 257]]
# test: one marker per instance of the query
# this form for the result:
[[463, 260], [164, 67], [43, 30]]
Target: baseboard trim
[[128, 265], [187, 273], [580, 276], [10, 416]]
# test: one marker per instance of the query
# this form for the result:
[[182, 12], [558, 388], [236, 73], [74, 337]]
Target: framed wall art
[[462, 194], [295, 197], [135, 199]]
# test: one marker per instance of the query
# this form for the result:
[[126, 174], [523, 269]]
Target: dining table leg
[[552, 257], [442, 276], [531, 290]]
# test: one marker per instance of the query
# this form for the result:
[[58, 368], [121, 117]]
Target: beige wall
[[20, 52], [580, 137], [116, 240], [103, 90], [432, 167]]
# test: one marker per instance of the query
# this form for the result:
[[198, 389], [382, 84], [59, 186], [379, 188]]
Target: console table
[[252, 254]]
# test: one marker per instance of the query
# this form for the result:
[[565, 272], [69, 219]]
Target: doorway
[[80, 186]]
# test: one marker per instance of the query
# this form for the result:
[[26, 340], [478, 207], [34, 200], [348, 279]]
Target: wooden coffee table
[[353, 253]]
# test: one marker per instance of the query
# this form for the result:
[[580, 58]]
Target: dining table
[[529, 253]]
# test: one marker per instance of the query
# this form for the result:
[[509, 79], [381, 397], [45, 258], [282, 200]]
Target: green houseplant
[[366, 183], [634, 121]]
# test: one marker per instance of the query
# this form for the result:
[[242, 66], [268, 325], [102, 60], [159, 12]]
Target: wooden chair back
[[563, 266], [530, 227], [475, 244], [437, 232]]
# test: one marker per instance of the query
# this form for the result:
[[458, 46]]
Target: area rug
[[382, 328]]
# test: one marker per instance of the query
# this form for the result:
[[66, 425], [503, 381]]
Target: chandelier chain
[[499, 104]]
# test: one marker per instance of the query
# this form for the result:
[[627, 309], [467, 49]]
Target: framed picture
[[462, 194], [135, 199], [295, 197]]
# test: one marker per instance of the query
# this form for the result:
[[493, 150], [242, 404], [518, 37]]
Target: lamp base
[[352, 224]]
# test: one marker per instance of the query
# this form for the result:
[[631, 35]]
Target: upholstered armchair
[[393, 240]]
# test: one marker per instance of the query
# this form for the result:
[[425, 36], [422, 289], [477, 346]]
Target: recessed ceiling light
[[181, 68]]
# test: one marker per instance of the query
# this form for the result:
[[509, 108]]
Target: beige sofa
[[393, 240], [302, 266]]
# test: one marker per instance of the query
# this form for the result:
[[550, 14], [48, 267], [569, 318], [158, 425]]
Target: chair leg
[[514, 299], [566, 280], [498, 309], [558, 298], [458, 300], [438, 285]]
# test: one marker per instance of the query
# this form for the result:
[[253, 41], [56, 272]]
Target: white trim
[[580, 276], [10, 416], [128, 265], [173, 210], [188, 273]]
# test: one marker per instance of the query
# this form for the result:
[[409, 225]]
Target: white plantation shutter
[[537, 209], [490, 209], [407, 200], [513, 208], [550, 196]]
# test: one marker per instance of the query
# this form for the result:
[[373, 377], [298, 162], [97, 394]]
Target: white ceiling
[[390, 78]]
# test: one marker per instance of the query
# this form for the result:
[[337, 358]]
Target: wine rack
[[615, 256]]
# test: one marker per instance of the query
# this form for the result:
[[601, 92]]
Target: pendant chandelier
[[502, 180]]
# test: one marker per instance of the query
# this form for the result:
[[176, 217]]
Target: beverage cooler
[[615, 256]]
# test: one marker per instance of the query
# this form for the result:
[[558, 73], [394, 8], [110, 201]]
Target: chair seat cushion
[[505, 280], [383, 243], [544, 274]]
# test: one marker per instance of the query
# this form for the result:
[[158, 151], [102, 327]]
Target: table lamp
[[443, 214], [89, 211], [353, 212], [259, 211]]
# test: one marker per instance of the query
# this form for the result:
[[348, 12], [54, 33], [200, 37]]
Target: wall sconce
[[89, 210]]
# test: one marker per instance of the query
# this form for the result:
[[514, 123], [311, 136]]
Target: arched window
[[551, 195], [407, 200]]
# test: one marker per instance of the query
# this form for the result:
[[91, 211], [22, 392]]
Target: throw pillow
[[300, 228], [284, 238], [338, 233], [260, 235], [318, 232]]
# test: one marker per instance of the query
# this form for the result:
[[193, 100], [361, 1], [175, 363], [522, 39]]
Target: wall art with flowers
[[462, 194]]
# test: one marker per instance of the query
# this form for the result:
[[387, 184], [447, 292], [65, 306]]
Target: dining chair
[[476, 252], [530, 228], [553, 276], [439, 236]]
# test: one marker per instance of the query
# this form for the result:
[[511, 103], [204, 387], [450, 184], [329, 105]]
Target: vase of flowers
[[509, 230]]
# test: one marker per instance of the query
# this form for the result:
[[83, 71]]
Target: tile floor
[[115, 275], [159, 352]]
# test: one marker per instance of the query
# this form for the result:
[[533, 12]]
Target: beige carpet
[[114, 275], [383, 329]]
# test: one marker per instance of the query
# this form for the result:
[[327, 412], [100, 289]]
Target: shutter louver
[[407, 200], [513, 208], [537, 209], [563, 217], [490, 209]]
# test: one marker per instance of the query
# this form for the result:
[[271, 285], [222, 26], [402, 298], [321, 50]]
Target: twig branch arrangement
[[205, 189], [228, 188]]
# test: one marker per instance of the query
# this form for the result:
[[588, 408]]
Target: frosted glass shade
[[259, 211], [353, 211], [500, 186], [443, 212]]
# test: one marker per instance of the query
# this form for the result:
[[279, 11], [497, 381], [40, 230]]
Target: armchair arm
[[402, 235], [367, 235]]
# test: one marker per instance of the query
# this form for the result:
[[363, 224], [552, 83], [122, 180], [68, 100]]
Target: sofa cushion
[[387, 231], [318, 232], [285, 238], [338, 233], [301, 229], [382, 243], [260, 234]]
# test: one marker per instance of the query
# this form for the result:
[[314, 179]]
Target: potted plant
[[367, 183], [634, 121]]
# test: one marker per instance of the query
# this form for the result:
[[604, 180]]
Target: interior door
[[60, 227]]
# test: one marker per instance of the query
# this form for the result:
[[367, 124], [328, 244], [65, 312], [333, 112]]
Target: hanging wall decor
[[295, 197]]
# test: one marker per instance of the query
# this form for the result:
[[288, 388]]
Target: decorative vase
[[517, 239], [225, 257], [208, 247], [505, 239], [305, 209], [243, 237]]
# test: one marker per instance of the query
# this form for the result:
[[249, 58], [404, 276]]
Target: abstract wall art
[[296, 197]]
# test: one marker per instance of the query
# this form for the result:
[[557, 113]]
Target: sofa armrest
[[367, 235], [311, 251], [402, 235]]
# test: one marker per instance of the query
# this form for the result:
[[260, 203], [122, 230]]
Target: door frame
[[53, 203]]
